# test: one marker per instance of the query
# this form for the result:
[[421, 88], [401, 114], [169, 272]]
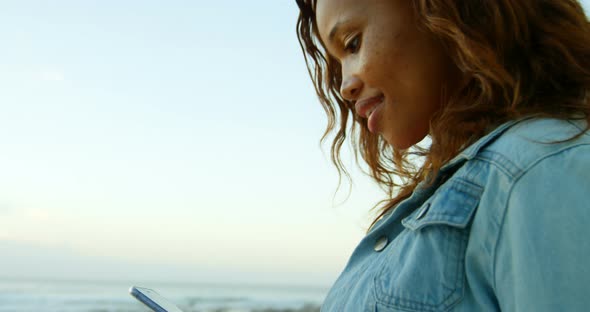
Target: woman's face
[[391, 70]]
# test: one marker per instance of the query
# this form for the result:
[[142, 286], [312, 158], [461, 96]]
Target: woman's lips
[[370, 108], [366, 105], [374, 117]]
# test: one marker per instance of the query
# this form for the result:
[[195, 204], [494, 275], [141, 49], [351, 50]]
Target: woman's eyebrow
[[335, 30]]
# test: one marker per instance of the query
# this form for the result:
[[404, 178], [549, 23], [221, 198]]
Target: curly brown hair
[[517, 58]]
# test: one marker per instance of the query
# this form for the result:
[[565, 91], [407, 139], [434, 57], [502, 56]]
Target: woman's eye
[[352, 45]]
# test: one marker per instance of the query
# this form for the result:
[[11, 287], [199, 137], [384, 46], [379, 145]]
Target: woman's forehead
[[330, 13]]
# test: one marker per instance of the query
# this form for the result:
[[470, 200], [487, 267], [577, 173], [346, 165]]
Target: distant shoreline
[[5, 278]]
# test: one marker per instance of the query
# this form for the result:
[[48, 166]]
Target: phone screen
[[153, 300]]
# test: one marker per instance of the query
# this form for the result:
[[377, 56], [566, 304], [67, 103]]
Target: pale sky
[[183, 134], [166, 140]]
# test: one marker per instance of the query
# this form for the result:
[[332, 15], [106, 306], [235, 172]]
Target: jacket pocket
[[423, 268]]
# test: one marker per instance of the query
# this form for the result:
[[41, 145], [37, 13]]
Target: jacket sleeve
[[542, 252]]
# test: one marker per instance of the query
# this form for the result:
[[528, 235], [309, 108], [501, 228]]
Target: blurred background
[[173, 145], [164, 143]]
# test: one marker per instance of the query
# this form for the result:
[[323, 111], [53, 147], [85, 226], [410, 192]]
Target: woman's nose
[[351, 88]]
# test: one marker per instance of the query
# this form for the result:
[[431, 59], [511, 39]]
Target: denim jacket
[[505, 227]]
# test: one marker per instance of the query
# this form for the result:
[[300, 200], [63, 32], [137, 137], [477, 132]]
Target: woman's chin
[[401, 143]]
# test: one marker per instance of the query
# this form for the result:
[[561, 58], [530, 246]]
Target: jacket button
[[381, 243], [422, 213]]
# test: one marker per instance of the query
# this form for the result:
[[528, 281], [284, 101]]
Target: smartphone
[[153, 300]]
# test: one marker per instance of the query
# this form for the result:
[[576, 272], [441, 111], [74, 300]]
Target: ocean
[[93, 296]]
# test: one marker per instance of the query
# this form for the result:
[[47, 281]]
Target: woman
[[496, 215]]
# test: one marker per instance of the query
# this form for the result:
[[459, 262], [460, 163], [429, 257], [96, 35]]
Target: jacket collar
[[446, 170], [472, 150]]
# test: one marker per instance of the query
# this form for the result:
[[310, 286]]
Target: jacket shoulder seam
[[508, 197]]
